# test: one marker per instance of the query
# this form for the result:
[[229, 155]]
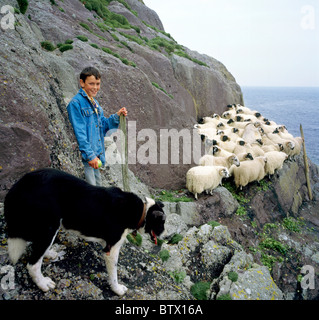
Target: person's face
[[91, 85]]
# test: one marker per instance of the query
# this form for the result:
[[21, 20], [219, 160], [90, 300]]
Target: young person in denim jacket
[[89, 124]]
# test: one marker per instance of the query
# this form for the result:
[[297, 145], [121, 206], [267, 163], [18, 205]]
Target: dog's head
[[155, 218]]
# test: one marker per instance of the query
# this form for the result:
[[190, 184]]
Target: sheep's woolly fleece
[[243, 142]]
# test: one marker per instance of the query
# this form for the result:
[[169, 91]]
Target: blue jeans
[[92, 176]]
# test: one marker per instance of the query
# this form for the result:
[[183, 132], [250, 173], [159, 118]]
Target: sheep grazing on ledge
[[209, 160], [241, 140], [298, 145], [205, 178], [275, 161], [250, 171]]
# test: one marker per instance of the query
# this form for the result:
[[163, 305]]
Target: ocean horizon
[[290, 106]]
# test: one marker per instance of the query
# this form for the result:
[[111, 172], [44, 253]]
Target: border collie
[[44, 200]]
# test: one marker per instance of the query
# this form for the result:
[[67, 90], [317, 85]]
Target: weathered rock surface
[[254, 282], [273, 220]]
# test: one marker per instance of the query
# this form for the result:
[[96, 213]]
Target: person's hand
[[94, 163], [122, 111]]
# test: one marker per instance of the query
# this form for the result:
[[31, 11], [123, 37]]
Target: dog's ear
[[160, 204]]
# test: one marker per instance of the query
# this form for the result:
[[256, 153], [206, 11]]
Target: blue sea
[[290, 106]]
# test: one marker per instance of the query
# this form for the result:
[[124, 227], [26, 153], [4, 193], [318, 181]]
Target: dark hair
[[90, 71]]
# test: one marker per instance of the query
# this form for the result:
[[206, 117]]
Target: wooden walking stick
[[306, 164], [126, 184]]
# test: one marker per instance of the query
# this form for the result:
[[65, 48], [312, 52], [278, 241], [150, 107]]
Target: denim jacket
[[90, 127]]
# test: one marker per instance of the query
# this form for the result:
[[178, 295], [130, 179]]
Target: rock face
[[276, 225], [256, 255], [162, 91], [203, 254]]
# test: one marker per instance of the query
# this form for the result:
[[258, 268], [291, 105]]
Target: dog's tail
[[16, 247]]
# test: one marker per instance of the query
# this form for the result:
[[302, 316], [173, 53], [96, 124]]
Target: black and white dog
[[42, 201]]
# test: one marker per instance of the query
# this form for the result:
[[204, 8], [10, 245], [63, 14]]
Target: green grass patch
[[263, 186], [156, 85], [164, 255], [199, 290], [94, 45], [65, 47], [47, 45], [233, 276], [178, 276], [213, 224], [85, 26], [270, 243], [83, 38], [176, 238], [110, 18], [136, 240], [130, 37], [292, 224], [241, 211], [23, 6], [116, 55], [172, 196], [185, 55]]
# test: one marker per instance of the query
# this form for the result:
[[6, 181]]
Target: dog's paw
[[46, 284], [119, 289]]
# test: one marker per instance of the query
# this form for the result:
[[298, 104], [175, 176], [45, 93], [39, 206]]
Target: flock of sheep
[[240, 143]]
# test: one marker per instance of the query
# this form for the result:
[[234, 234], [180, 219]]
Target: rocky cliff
[[163, 84], [229, 245]]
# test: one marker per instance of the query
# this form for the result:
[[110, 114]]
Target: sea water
[[290, 106]]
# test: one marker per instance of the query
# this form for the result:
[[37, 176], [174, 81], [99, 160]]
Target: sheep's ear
[[250, 156], [259, 141]]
